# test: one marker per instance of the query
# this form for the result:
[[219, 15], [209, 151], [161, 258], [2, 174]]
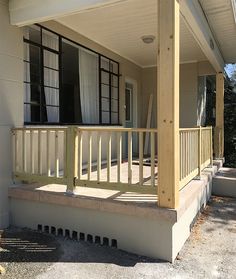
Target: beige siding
[[191, 99], [11, 105]]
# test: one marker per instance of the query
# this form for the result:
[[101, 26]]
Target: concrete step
[[224, 183]]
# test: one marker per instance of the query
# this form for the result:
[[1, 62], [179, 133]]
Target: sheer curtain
[[89, 86]]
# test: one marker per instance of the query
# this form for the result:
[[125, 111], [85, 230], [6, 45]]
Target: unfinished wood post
[[168, 103], [199, 151], [71, 157], [219, 128]]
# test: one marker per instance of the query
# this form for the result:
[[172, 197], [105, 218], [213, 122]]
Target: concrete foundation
[[137, 225]]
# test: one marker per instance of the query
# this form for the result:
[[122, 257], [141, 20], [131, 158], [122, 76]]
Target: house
[[103, 107]]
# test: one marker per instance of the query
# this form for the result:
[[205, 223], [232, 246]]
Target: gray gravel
[[210, 252]]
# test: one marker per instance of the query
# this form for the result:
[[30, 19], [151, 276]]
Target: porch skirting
[[140, 228]]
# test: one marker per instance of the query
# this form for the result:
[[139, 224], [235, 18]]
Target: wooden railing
[[110, 158], [39, 154], [195, 152], [107, 158], [113, 158]]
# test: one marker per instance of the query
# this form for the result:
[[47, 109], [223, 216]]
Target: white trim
[[193, 15], [181, 63]]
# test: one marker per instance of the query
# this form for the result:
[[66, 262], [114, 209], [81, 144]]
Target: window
[[109, 75], [41, 61], [67, 83]]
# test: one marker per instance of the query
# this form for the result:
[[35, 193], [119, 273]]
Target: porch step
[[224, 182]]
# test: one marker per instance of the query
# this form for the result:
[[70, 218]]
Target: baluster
[[56, 155], [39, 151], [119, 156], [130, 157], [109, 158], [99, 156], [80, 154], [48, 163], [152, 159], [32, 151], [23, 150], [89, 155], [15, 135], [64, 153], [140, 158]]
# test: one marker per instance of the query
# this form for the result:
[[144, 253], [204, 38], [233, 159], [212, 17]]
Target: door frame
[[135, 101]]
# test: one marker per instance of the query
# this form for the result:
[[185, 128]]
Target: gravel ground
[[210, 252]]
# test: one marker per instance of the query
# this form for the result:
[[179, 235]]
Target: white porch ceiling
[[120, 28], [222, 22]]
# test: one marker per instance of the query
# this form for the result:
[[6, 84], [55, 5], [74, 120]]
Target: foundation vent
[[78, 236]]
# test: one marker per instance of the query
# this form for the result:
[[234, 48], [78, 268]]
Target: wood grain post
[[71, 157], [199, 151], [219, 128], [168, 103]]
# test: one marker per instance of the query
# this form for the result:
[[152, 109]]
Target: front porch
[[140, 188]]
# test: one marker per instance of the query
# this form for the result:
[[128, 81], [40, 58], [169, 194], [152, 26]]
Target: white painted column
[[11, 101]]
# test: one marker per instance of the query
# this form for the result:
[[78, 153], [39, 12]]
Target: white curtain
[[89, 86], [51, 77]]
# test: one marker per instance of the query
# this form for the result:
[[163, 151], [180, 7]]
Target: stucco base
[[142, 229]]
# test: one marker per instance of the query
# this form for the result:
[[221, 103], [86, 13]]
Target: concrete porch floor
[[124, 172]]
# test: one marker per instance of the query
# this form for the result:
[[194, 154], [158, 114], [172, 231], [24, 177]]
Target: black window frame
[[100, 69]]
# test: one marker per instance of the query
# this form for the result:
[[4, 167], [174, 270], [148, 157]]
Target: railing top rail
[[39, 128], [104, 129], [110, 129], [195, 129]]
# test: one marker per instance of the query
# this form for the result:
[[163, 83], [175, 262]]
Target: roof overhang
[[26, 12], [196, 21]]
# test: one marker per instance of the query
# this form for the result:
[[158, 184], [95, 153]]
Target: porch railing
[[195, 152], [107, 158]]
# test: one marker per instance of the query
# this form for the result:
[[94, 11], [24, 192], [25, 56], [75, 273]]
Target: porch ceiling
[[222, 21], [120, 28]]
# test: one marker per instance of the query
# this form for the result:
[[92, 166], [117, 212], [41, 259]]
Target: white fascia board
[[194, 17], [26, 12]]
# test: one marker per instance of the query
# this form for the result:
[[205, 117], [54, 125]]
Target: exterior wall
[[127, 68], [192, 93], [11, 104]]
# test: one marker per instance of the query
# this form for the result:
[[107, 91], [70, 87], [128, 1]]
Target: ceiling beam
[[26, 12], [196, 21]]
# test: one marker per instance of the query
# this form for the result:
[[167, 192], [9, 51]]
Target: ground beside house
[[208, 253]]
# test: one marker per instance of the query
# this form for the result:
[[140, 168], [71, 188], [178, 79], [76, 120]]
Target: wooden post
[[219, 128], [199, 151], [71, 157], [168, 103]]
